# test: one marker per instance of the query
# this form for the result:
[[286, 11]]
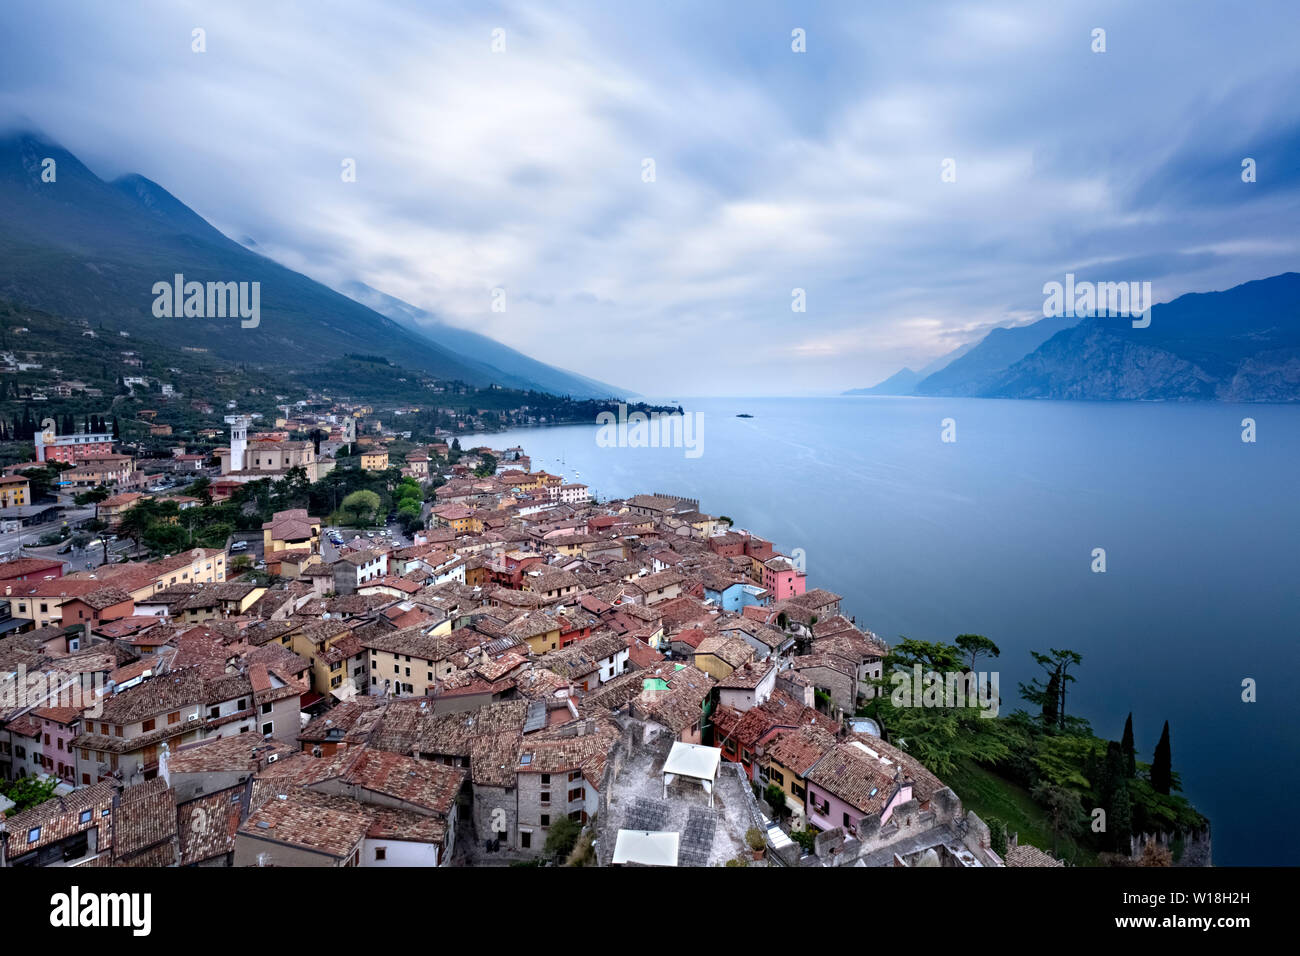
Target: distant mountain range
[[84, 248], [904, 381], [1239, 345]]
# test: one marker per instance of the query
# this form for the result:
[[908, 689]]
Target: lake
[[994, 534]]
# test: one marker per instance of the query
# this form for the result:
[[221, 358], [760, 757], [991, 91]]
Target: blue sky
[[775, 170]]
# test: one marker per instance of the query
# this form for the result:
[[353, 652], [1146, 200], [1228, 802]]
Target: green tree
[[1064, 811], [561, 837], [1113, 796], [775, 798], [1162, 771], [1049, 696], [28, 792], [976, 645], [1130, 751], [363, 504], [997, 836]]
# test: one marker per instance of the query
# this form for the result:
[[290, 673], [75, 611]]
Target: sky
[[523, 167]]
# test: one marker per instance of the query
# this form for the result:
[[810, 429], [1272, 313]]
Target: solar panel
[[646, 814], [697, 837]]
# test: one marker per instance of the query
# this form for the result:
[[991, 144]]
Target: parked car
[[239, 546]]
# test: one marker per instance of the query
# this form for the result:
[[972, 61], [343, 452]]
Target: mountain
[[902, 382], [488, 351], [1241, 345], [87, 249], [978, 368]]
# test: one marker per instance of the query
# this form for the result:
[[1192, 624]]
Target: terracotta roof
[[313, 821], [798, 750]]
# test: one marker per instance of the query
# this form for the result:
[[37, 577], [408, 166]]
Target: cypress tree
[[117, 434], [1119, 808], [1162, 773], [1130, 754], [1052, 701]]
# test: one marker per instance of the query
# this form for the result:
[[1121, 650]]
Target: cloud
[[774, 170]]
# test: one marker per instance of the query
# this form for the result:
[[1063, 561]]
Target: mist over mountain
[[77, 246], [489, 352], [904, 381]]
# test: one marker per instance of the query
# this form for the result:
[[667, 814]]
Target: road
[[26, 539]]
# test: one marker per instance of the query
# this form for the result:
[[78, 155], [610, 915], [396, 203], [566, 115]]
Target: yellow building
[[290, 531], [374, 460], [790, 757], [14, 491], [720, 654], [327, 646], [407, 662], [538, 630], [458, 518]]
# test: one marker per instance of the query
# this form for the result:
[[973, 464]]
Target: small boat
[[744, 415]]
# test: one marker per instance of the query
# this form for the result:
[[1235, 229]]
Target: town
[[468, 662]]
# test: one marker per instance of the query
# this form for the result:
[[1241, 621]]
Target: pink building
[[782, 579], [59, 725], [854, 781]]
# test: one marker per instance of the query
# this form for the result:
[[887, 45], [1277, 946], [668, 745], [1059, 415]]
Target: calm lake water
[[994, 534]]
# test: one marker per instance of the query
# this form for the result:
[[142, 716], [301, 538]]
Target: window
[[575, 794], [546, 819], [775, 776], [33, 834], [214, 712], [546, 797], [525, 839], [174, 717], [85, 816], [268, 728], [381, 853], [266, 708], [546, 779], [243, 704], [147, 726]]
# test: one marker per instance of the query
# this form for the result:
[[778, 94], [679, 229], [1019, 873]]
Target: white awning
[[693, 760], [647, 847]]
